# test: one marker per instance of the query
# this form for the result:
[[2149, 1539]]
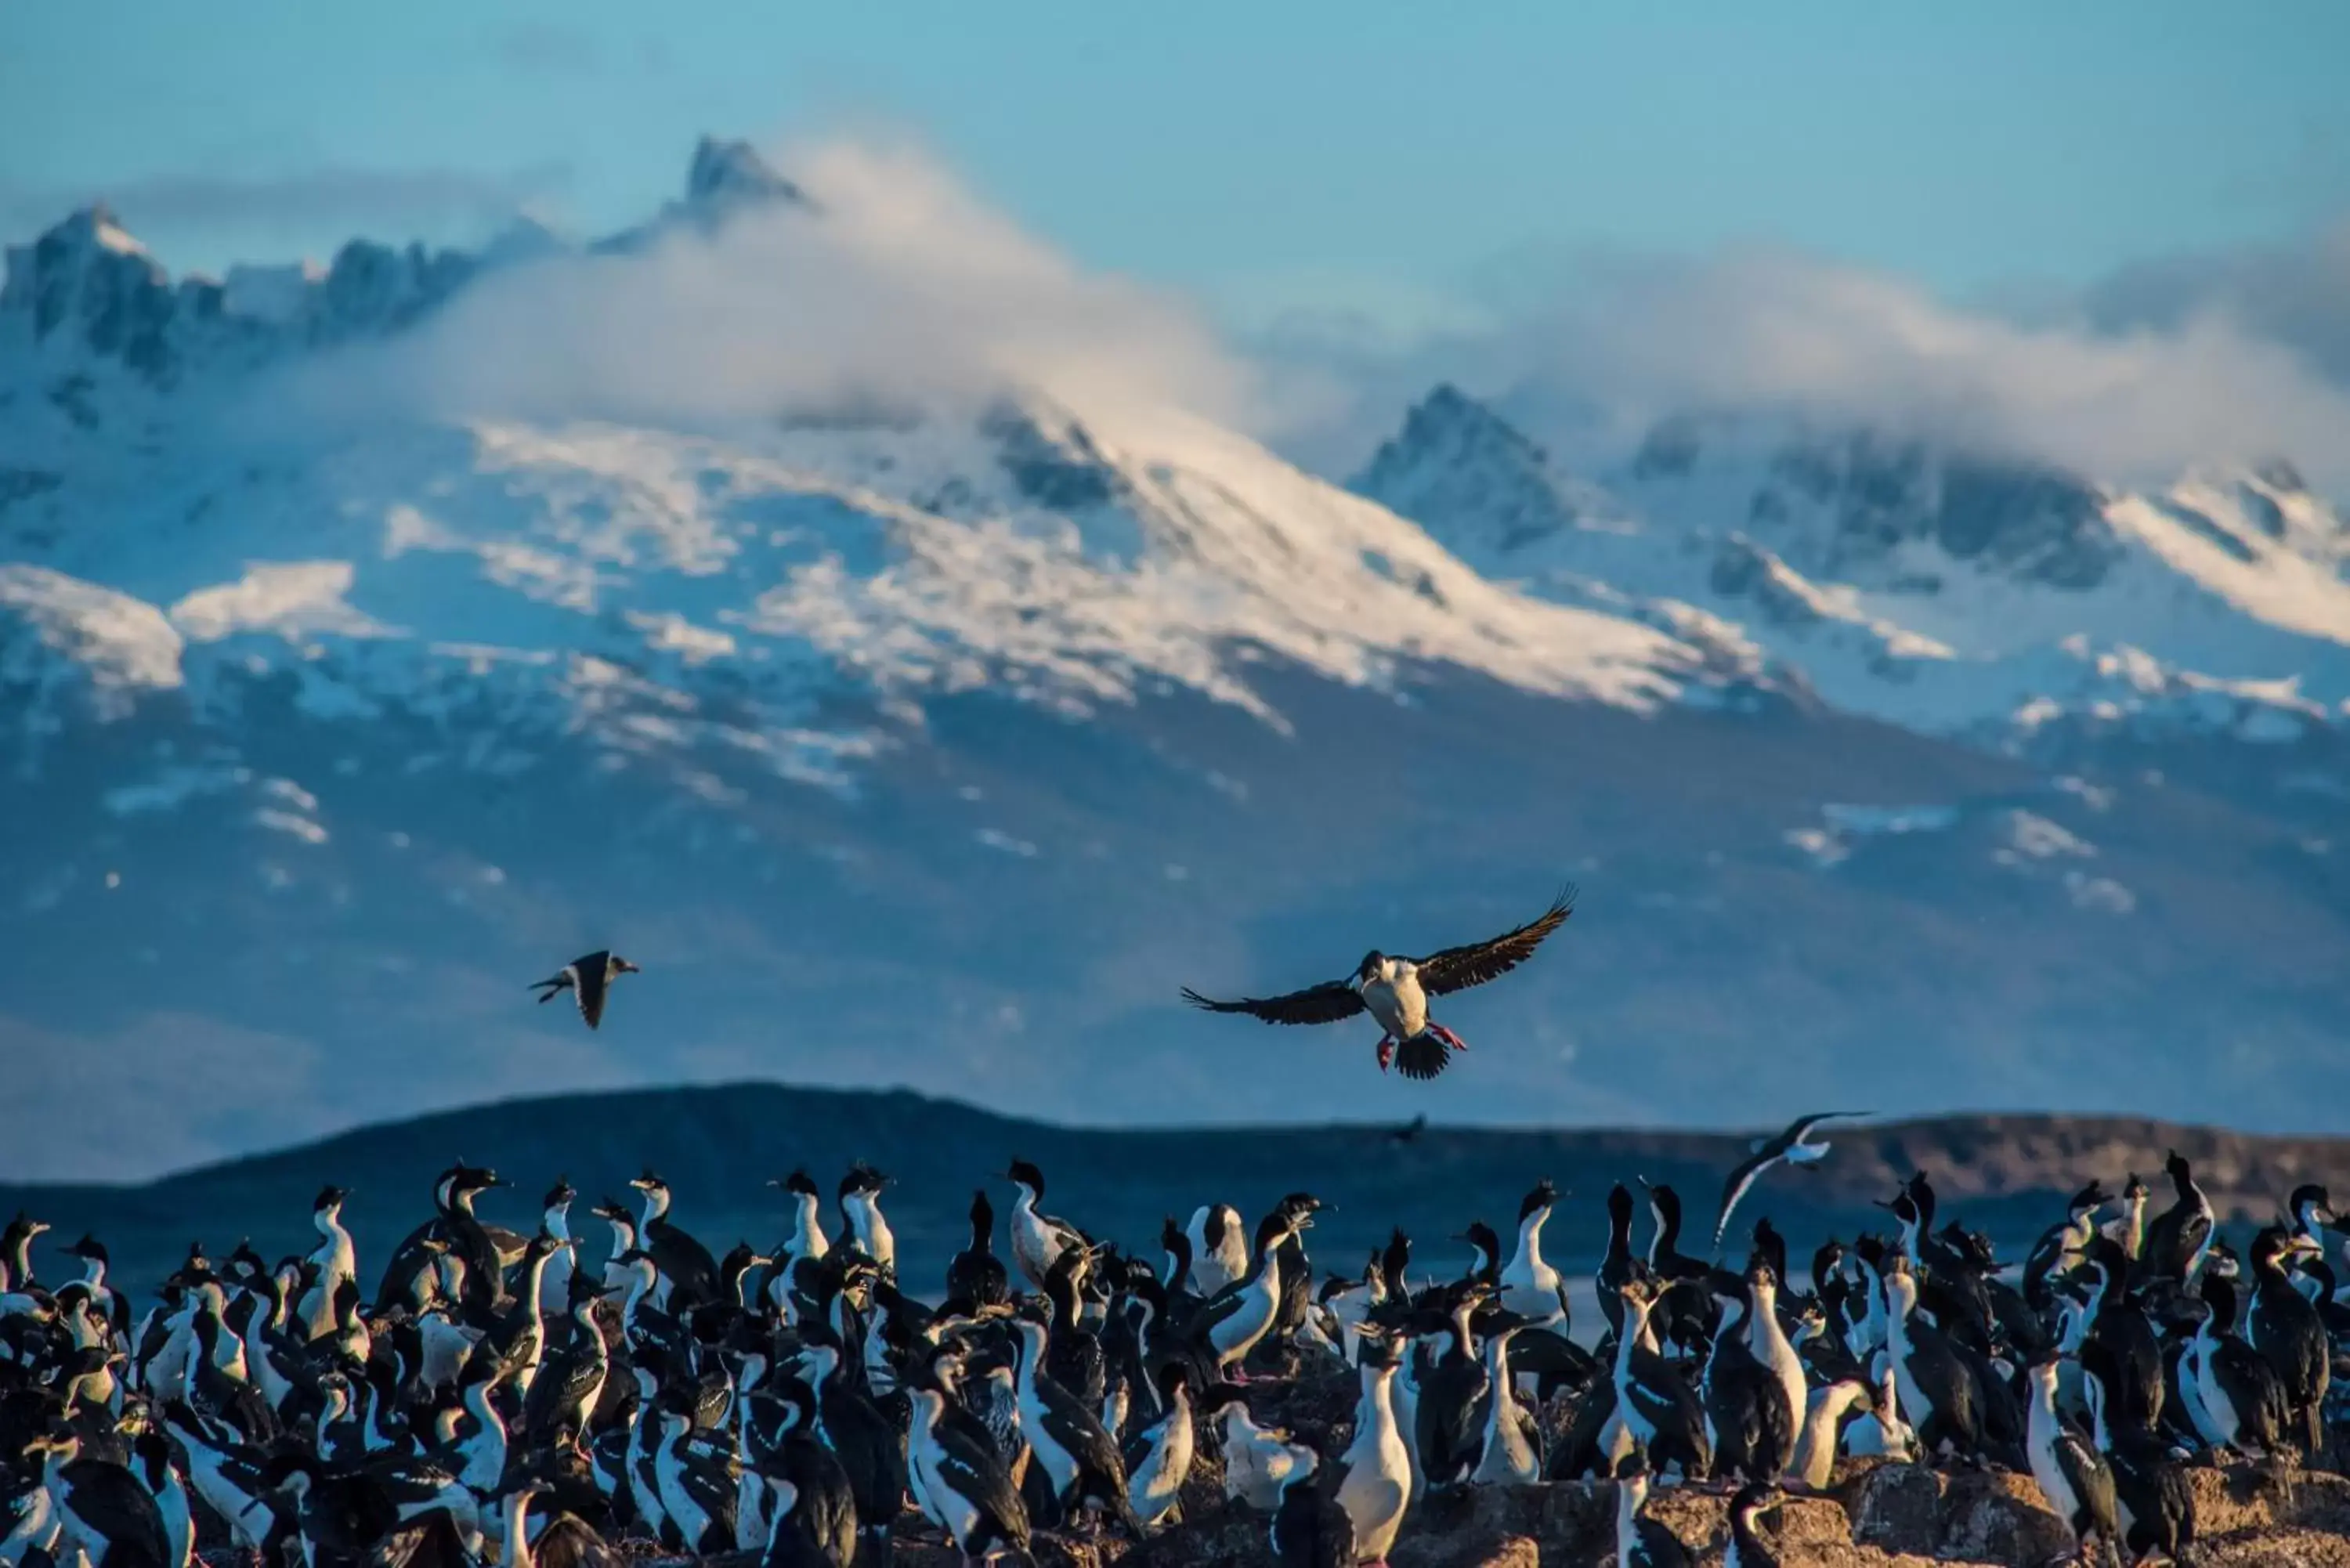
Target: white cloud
[[899, 287], [1605, 346]]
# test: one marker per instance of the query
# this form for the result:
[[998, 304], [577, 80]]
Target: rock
[[1897, 1508], [1999, 1518], [1510, 1551]]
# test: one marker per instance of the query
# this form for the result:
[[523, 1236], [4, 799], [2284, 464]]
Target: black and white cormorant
[[1230, 1322], [1747, 1549], [2239, 1400], [1037, 1238], [1375, 1489], [1158, 1456], [1642, 1541], [1310, 1527], [566, 1393], [1220, 1251], [589, 978], [1939, 1392], [2178, 1236], [1083, 1467], [872, 1445], [100, 1505], [1531, 1287], [1394, 991], [2071, 1473], [689, 1274], [824, 1508], [962, 1483], [976, 1276], [697, 1494], [1616, 1259], [2153, 1502], [2286, 1328], [1657, 1408], [1509, 1435], [861, 1216], [1747, 1418]]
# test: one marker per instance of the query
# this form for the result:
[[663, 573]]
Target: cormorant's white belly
[[1399, 1005]]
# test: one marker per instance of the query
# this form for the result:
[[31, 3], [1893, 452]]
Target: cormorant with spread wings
[[1394, 991]]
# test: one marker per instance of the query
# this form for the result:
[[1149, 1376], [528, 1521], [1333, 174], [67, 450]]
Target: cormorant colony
[[482, 1396]]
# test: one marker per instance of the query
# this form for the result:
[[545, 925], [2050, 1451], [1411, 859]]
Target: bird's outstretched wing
[[1734, 1189], [591, 988], [1457, 969], [1801, 1127], [1326, 1003]]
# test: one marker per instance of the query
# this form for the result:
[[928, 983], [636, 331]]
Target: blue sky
[[1255, 156]]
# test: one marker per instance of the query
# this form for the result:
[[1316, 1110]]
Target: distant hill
[[719, 1146]]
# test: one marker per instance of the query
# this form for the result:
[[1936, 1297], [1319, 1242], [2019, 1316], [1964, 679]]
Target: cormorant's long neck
[[1619, 1239], [1636, 1326], [1530, 1230]]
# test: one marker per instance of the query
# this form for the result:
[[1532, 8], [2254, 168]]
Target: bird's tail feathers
[[1422, 1056]]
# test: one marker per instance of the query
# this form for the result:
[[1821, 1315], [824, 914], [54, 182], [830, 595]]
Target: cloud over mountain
[[890, 283], [2220, 359]]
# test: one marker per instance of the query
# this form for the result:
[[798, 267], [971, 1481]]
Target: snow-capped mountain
[[1942, 590], [941, 741]]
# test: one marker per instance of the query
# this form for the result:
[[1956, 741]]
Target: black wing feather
[[1457, 969], [1327, 1004]]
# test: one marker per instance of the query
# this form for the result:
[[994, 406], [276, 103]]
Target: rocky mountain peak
[[1457, 459], [726, 173]]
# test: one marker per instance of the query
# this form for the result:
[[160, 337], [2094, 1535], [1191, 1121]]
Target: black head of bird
[[1369, 969], [472, 1178], [1021, 1173], [799, 1184], [329, 1197], [612, 1209], [649, 1181], [2089, 1200], [2175, 1166], [88, 1250], [862, 1178], [560, 1195], [2310, 1208], [1273, 1227], [1301, 1207], [1543, 1196]]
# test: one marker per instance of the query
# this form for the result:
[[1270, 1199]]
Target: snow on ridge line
[[512, 565], [1981, 606]]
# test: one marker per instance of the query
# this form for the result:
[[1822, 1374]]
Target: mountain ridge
[[718, 1144]]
